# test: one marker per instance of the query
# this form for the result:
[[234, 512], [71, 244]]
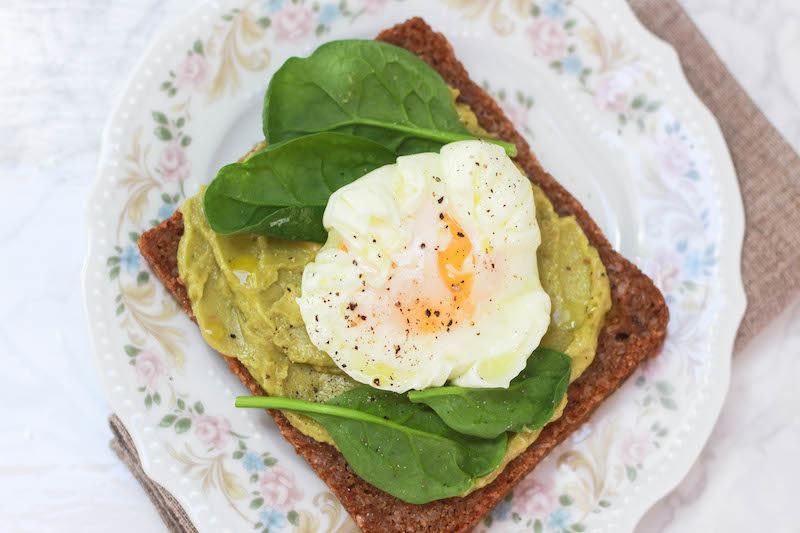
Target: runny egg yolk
[[453, 270], [456, 272], [431, 289]]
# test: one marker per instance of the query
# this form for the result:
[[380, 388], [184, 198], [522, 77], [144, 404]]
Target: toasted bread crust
[[634, 329]]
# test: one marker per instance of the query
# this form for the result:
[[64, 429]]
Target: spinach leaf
[[527, 404], [282, 191], [402, 448], [366, 88], [482, 455]]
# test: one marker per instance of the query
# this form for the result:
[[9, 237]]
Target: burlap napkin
[[769, 176], [167, 506]]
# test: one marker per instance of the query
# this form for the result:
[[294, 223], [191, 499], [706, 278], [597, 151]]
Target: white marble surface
[[60, 67], [744, 477]]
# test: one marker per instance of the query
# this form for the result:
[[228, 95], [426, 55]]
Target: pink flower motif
[[668, 277], [212, 430], [149, 368], [673, 156], [534, 498], [172, 162], [665, 269], [612, 94], [293, 22], [193, 72], [548, 38], [279, 489], [517, 114], [634, 448], [373, 6], [652, 367]]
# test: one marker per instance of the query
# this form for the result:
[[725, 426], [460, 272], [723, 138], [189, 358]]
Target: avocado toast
[[634, 329]]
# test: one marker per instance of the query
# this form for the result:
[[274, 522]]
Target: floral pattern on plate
[[230, 468]]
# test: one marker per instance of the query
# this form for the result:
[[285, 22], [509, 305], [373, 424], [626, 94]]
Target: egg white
[[429, 273]]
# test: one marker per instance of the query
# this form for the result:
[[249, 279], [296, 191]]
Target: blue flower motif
[[130, 258], [252, 462], [559, 519], [572, 64], [675, 127], [273, 6], [501, 511], [692, 173], [699, 263], [165, 211], [555, 9], [273, 520], [328, 14], [693, 265]]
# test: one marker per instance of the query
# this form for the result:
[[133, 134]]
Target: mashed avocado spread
[[243, 290]]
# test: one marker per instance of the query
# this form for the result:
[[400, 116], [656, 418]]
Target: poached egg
[[429, 273]]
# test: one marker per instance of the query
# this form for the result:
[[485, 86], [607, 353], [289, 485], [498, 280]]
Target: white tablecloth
[[61, 64]]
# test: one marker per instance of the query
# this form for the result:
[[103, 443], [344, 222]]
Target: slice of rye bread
[[634, 330]]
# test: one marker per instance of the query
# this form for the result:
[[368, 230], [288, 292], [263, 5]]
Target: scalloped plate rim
[[729, 266]]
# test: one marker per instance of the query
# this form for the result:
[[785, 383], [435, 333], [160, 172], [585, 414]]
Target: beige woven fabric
[[769, 175], [167, 506]]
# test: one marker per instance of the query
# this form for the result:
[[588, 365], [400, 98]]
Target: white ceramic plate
[[607, 110]]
